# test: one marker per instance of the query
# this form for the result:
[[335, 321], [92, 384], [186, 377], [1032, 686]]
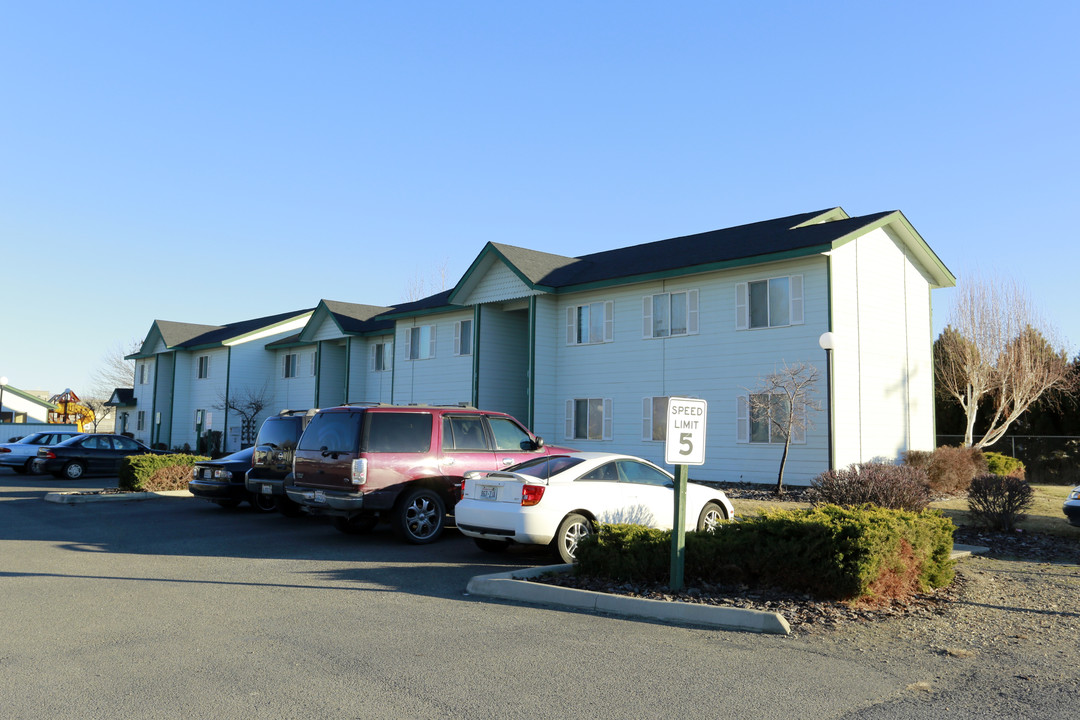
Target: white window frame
[[202, 367], [690, 320], [290, 362], [573, 312], [419, 345], [795, 303], [313, 363], [140, 420], [387, 356], [606, 419], [463, 336], [744, 425]]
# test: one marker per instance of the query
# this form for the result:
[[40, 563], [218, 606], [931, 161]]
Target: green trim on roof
[[8, 389], [441, 310], [489, 250]]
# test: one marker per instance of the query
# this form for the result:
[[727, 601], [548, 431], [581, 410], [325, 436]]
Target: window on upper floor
[[590, 324], [203, 367], [589, 419], [463, 337], [420, 342], [774, 302], [670, 314], [289, 365], [144, 374], [381, 356]]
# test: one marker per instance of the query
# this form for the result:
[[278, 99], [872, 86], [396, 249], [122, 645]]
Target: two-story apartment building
[[586, 350]]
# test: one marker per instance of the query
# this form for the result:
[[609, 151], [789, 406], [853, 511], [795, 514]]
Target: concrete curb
[[513, 585], [80, 498], [964, 551]]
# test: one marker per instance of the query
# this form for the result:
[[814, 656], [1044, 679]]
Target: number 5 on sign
[[685, 444]]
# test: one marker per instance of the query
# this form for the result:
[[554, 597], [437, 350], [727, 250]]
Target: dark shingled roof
[[355, 318], [219, 334], [759, 239]]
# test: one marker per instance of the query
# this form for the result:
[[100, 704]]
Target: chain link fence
[[1053, 459]]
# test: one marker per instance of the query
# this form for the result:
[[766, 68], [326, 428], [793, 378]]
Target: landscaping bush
[[949, 469], [1001, 464], [999, 501], [137, 471], [898, 487], [862, 554]]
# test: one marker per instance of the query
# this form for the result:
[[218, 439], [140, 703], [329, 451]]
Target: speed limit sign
[[685, 443]]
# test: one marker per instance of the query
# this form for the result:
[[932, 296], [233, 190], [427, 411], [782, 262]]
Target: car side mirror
[[538, 442]]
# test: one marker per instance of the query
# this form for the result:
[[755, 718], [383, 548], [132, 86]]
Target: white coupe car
[[560, 498]]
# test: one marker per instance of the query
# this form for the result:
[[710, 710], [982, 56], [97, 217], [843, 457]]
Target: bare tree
[[101, 410], [114, 371], [998, 352], [420, 286], [779, 408], [247, 403]]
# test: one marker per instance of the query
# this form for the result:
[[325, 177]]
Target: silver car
[[1072, 506], [19, 455]]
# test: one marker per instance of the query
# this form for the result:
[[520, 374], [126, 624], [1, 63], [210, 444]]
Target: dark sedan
[[221, 481], [98, 453]]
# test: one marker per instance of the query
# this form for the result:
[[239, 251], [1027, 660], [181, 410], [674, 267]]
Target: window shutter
[[311, 364], [646, 316], [742, 420], [609, 321], [431, 345], [285, 366], [571, 336], [692, 312], [608, 419], [646, 418], [569, 434], [374, 351], [457, 338], [742, 308], [796, 300], [408, 343]]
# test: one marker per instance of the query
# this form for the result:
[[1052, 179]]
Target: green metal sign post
[[683, 446]]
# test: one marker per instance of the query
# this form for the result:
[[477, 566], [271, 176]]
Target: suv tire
[[420, 516]]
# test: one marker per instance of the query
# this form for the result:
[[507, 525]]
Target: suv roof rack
[[285, 413]]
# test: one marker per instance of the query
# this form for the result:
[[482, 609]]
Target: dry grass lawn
[[1045, 516]]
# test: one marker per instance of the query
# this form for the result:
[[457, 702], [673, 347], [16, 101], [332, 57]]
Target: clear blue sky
[[210, 162]]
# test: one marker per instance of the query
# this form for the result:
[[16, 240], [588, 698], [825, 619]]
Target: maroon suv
[[404, 463]]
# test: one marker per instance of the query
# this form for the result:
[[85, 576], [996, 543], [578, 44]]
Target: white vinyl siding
[[670, 314], [589, 419], [590, 324], [770, 302]]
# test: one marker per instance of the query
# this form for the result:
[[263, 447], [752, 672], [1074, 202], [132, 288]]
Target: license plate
[[318, 496], [266, 490], [489, 492]]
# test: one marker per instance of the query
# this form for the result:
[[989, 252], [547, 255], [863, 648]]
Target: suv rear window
[[397, 432], [333, 431], [279, 432]]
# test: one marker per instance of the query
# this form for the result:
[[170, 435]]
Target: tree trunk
[[783, 461]]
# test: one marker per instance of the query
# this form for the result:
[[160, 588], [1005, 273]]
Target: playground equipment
[[70, 410]]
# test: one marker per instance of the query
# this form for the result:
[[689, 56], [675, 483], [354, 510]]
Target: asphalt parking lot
[[174, 607]]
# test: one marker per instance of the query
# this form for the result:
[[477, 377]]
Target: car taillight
[[359, 472], [49, 454], [531, 494], [4, 450]]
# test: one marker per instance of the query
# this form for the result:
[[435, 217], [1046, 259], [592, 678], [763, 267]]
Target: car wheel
[[571, 530], [74, 470], [25, 468], [288, 508], [420, 516], [357, 524], [712, 515], [491, 546], [263, 503]]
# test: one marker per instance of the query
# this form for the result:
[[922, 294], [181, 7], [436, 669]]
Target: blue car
[[1072, 506]]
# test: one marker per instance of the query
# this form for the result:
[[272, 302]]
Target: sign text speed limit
[[685, 444]]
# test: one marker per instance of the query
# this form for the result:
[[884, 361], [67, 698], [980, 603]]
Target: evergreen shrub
[[858, 554], [137, 471], [1001, 464]]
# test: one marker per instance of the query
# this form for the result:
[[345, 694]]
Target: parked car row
[[413, 465], [21, 454]]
